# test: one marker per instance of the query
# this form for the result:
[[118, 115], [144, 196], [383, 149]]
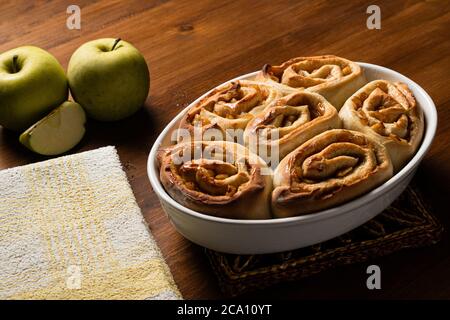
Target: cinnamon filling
[[214, 177], [335, 163], [385, 115], [231, 103], [309, 73], [288, 115]]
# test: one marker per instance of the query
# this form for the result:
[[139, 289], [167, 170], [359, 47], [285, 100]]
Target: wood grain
[[192, 46]]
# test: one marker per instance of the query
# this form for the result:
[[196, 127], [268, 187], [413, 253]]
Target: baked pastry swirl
[[218, 178], [329, 169], [333, 77], [291, 121], [387, 111], [230, 106]]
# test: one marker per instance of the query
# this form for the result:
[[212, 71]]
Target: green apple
[[32, 83], [109, 78], [58, 132]]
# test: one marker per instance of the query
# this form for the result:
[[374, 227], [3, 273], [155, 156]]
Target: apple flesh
[[58, 132], [109, 78], [32, 83]]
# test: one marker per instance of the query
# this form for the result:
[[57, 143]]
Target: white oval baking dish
[[277, 235]]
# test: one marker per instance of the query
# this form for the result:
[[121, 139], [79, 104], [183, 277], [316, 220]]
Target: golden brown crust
[[386, 111], [333, 77], [218, 178], [230, 106], [329, 169], [291, 121]]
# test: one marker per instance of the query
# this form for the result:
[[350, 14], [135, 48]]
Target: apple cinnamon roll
[[230, 106], [218, 178], [291, 121], [333, 77], [386, 111], [329, 169]]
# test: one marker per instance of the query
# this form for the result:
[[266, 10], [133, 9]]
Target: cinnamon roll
[[218, 178], [386, 111], [333, 77], [230, 106], [329, 169], [291, 121]]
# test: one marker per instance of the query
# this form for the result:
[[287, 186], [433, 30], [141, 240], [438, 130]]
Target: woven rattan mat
[[407, 223]]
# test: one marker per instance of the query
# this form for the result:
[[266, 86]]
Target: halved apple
[[61, 130]]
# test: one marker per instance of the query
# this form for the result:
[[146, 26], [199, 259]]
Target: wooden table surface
[[192, 46]]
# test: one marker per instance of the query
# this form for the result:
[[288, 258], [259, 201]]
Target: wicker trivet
[[407, 223]]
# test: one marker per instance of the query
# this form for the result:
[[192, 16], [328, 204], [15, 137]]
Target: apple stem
[[14, 63], [115, 43]]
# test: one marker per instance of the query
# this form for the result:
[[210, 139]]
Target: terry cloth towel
[[70, 228]]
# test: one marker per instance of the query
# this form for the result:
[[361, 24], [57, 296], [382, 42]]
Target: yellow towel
[[70, 228]]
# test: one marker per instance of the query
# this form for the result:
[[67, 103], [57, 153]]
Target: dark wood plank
[[192, 46]]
